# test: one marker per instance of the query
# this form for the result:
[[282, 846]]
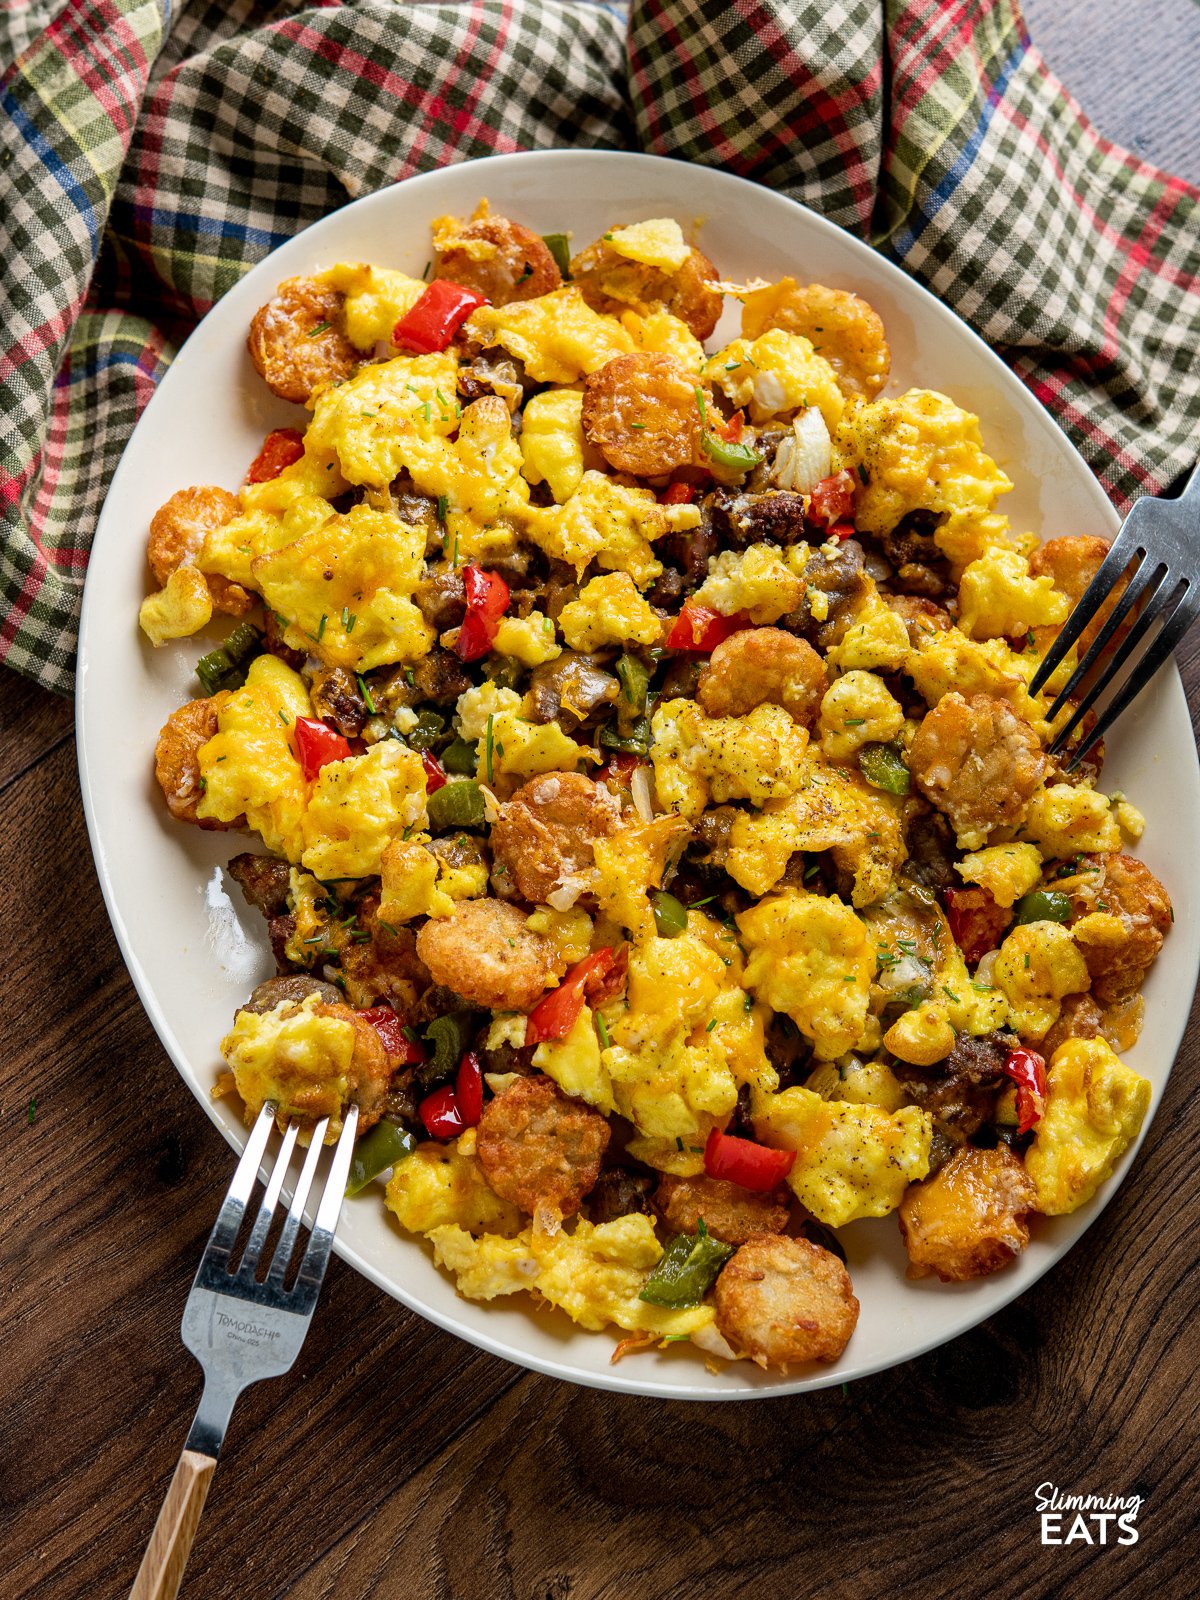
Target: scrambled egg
[[1095, 1108], [376, 299], [632, 861], [656, 243], [812, 958], [557, 336], [659, 333], [609, 610], [922, 1036], [442, 1185], [832, 809], [851, 1160], [409, 876], [776, 374], [1038, 965], [861, 1083], [697, 758], [1068, 818], [510, 744], [1006, 871], [921, 452], [249, 767], [594, 1273], [358, 806], [857, 709], [531, 640], [875, 639], [611, 523], [575, 1063], [297, 1055], [180, 608], [388, 416], [949, 661], [552, 448], [998, 597], [762, 580], [343, 592]]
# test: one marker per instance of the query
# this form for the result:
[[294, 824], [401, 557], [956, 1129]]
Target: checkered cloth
[[153, 152]]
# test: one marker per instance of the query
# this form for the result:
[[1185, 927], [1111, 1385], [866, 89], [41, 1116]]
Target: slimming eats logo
[[1087, 1518]]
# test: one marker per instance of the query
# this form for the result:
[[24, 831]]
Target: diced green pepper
[[728, 453], [635, 681], [559, 246], [503, 670], [459, 757], [1043, 905], [687, 1270], [882, 765], [670, 915], [385, 1146], [456, 805], [227, 665], [429, 727], [635, 743], [447, 1038]]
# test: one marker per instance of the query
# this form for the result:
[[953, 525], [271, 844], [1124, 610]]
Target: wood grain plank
[[107, 1195], [33, 721]]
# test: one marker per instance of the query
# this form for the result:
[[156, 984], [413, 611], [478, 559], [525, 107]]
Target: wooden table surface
[[396, 1461]]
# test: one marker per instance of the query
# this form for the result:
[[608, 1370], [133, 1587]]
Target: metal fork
[[1159, 543], [242, 1330]]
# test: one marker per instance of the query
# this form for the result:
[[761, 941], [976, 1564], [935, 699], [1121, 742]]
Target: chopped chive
[[321, 327], [321, 627], [488, 767], [366, 694], [601, 1030]]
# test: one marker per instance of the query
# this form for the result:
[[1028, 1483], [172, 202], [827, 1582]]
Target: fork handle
[[161, 1571]]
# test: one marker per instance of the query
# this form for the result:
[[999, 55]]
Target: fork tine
[[1141, 577], [233, 1208], [1137, 632], [1120, 553], [316, 1256], [266, 1211], [1172, 631], [291, 1227]]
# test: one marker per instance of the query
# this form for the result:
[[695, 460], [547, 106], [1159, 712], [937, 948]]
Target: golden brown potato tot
[[969, 1219], [977, 762], [727, 1210], [546, 832], [780, 1301], [177, 532], [176, 759], [1135, 913], [763, 666], [486, 954], [840, 326], [1073, 562], [641, 413], [508, 262], [537, 1147], [611, 283], [296, 340]]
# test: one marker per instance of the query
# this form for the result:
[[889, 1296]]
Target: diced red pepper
[[677, 494], [608, 987], [732, 430], [741, 1161], [317, 744], [841, 531], [557, 1011], [832, 500], [487, 601], [436, 317], [1027, 1069], [441, 1114], [699, 629], [390, 1029], [977, 923], [280, 449], [435, 772], [468, 1089]]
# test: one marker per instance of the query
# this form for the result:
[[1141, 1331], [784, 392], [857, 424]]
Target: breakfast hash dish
[[658, 843]]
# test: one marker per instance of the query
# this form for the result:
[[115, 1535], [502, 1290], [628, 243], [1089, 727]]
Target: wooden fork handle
[[161, 1571]]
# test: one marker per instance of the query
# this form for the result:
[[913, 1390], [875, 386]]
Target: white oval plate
[[194, 952]]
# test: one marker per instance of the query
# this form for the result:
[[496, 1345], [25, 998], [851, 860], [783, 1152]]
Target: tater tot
[[781, 1301], [296, 340], [537, 1147]]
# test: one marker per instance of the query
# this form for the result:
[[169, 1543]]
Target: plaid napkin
[[153, 152]]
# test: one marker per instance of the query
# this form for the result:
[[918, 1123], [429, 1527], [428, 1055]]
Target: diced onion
[[639, 789], [570, 886], [804, 459], [713, 1343]]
